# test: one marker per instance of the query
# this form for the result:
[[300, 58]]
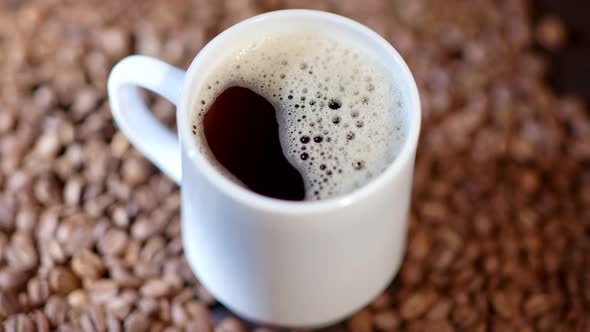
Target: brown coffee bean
[[419, 245], [132, 253], [113, 242], [56, 309], [76, 234], [40, 321], [38, 290], [72, 191], [21, 252], [230, 324], [63, 281], [26, 218], [113, 324], [506, 303], [119, 145], [155, 288], [164, 314], [144, 228], [491, 264], [120, 216], [124, 277], [386, 321], [101, 290], [179, 315], [8, 304], [172, 329], [443, 258], [114, 41], [159, 327], [135, 171], [7, 120], [417, 304], [360, 321], [200, 318], [3, 243], [93, 319], [45, 97], [88, 265], [437, 325], [148, 305], [48, 145], [136, 322], [78, 299], [465, 315], [537, 305], [55, 251], [382, 301], [47, 190], [12, 279], [548, 322], [19, 323], [147, 270], [183, 296], [85, 101], [153, 250], [440, 310], [411, 273], [122, 305]]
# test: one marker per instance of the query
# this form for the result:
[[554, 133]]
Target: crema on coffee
[[338, 116]]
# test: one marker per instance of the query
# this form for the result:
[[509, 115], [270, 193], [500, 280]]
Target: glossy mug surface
[[297, 264]]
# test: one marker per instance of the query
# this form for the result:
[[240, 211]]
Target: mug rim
[[253, 199]]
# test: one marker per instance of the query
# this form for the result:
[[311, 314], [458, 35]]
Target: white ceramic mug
[[298, 264]]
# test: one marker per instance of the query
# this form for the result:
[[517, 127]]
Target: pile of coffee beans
[[499, 236]]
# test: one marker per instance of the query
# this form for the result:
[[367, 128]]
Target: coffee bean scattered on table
[[499, 236]]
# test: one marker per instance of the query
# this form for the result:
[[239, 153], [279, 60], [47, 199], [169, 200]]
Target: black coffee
[[242, 132]]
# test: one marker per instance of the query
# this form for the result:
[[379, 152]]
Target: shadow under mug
[[297, 264]]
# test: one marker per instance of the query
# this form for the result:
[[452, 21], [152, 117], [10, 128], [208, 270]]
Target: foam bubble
[[339, 113]]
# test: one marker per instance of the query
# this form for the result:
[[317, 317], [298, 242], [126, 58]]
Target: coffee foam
[[339, 110]]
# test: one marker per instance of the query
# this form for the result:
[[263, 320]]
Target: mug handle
[[158, 143]]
